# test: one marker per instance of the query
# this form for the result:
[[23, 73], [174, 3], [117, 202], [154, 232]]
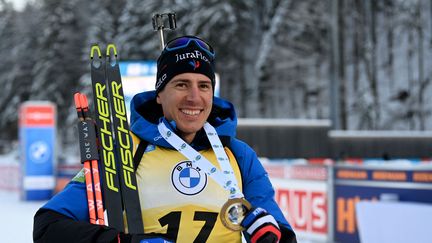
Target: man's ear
[[158, 99]]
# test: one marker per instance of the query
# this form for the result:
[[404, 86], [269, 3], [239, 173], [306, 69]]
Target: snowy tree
[[136, 36], [104, 22], [7, 31], [59, 65], [101, 22], [248, 32], [19, 31], [297, 72], [387, 52], [273, 57]]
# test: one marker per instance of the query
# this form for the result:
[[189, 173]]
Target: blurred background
[[333, 95]]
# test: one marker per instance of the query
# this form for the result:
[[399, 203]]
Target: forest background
[[363, 64]]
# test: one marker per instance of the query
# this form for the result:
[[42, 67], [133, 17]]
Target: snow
[[18, 4], [16, 220], [16, 216]]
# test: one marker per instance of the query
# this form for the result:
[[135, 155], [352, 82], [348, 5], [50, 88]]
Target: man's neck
[[188, 138]]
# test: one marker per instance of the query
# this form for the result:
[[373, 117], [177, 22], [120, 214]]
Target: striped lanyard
[[224, 177]]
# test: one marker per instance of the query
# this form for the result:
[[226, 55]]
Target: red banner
[[37, 115]]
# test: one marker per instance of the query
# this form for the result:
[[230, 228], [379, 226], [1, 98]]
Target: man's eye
[[205, 86], [181, 85]]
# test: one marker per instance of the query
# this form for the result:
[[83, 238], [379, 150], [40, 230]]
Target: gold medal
[[233, 213]]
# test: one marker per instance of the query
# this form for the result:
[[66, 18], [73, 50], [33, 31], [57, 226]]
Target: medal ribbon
[[224, 177]]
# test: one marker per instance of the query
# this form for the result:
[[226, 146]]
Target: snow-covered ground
[[16, 218]]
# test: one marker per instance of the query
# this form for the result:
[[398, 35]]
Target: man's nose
[[194, 92]]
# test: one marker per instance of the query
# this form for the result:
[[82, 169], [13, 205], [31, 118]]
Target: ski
[[120, 187], [123, 142], [111, 183]]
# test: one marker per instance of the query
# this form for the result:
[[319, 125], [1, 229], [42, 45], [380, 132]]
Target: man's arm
[[50, 226], [257, 187], [65, 219]]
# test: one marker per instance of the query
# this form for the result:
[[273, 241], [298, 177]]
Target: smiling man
[[196, 181]]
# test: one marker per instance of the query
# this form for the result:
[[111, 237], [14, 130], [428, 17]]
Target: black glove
[[141, 238], [261, 226]]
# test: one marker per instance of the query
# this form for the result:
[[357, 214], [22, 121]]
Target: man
[[193, 168]]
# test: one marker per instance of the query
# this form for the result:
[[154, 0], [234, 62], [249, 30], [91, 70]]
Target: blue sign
[[37, 140], [354, 184], [138, 68]]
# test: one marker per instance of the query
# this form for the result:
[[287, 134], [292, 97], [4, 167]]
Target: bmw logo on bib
[[188, 179]]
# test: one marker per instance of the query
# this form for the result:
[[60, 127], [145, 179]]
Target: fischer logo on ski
[[106, 137]]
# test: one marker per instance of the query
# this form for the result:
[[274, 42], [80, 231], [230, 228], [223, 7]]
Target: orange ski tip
[[77, 100], [84, 100]]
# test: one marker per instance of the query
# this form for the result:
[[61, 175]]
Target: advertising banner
[[37, 134], [301, 193], [353, 184]]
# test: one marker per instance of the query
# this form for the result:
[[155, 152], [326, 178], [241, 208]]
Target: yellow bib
[[178, 199]]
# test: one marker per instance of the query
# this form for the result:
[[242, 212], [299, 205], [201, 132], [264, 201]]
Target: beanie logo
[[161, 80], [193, 55], [194, 64]]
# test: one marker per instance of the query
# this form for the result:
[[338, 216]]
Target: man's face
[[187, 99]]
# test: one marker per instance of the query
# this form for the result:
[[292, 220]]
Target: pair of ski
[[106, 145]]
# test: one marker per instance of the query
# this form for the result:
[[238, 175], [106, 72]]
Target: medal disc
[[233, 213]]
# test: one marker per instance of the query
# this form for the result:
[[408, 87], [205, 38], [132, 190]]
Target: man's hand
[[261, 226]]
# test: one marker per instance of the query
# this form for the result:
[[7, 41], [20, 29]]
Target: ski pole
[[89, 159], [94, 167]]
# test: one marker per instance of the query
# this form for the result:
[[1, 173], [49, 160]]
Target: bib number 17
[[172, 221]]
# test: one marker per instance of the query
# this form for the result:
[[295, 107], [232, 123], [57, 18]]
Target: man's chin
[[190, 128]]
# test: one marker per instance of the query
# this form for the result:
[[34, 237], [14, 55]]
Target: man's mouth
[[190, 112]]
